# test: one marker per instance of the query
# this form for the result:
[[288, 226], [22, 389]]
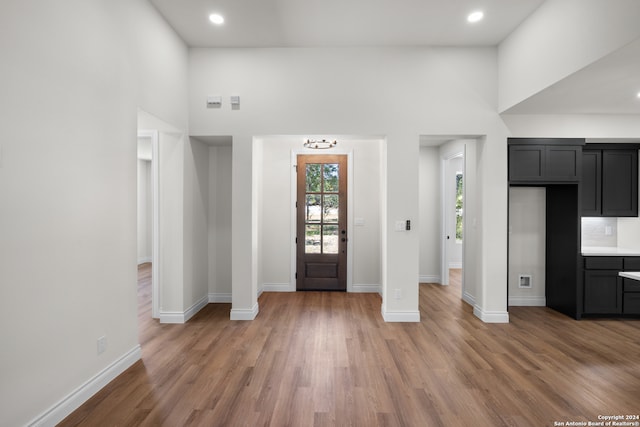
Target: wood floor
[[328, 359]]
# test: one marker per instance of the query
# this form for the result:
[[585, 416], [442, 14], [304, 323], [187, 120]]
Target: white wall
[[396, 93], [276, 211], [560, 38], [219, 224], [527, 230], [73, 75], [430, 208], [196, 218], [144, 211]]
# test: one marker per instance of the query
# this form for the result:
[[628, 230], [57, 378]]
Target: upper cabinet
[[538, 161], [610, 180]]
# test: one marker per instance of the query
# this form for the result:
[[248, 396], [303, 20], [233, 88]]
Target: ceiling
[[608, 86], [312, 23]]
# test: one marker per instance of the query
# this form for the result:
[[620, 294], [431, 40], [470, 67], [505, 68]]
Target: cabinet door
[[563, 163], [632, 303], [591, 185], [526, 163], [620, 183], [602, 292]]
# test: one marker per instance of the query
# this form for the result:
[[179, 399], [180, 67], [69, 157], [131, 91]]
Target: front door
[[322, 223]]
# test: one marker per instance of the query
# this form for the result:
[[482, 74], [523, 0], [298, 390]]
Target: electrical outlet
[[397, 293], [102, 344]]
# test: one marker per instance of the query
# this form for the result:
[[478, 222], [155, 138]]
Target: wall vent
[[524, 281]]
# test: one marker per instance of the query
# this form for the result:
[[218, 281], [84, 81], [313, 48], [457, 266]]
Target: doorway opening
[[448, 209], [148, 211], [453, 218]]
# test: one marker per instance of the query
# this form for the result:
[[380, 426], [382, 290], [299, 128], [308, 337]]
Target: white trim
[[294, 184], [400, 316], [144, 260], [219, 298], [366, 289], [277, 287], [455, 265], [528, 301], [183, 317], [80, 395], [468, 298], [491, 316], [244, 313], [429, 279]]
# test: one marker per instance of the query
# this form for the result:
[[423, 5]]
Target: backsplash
[[600, 232]]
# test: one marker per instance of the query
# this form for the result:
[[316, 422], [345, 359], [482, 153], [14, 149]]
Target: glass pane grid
[[322, 210]]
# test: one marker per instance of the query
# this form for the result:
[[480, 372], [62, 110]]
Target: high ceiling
[[307, 23], [608, 86]]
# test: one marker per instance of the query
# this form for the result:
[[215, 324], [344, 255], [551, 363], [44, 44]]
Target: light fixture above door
[[320, 144]]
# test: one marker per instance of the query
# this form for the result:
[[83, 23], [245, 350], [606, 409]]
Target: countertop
[[635, 275], [608, 251]]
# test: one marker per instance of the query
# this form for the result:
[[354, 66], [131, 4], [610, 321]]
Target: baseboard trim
[[219, 298], [244, 313], [491, 316], [429, 279], [401, 316], [76, 398], [361, 288], [469, 299], [183, 317], [455, 265], [144, 260], [528, 301], [277, 287]]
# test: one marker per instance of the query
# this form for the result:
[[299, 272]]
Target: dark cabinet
[[602, 292], [609, 182], [605, 292], [544, 163]]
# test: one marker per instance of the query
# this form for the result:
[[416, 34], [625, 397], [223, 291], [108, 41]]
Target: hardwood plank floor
[[327, 359]]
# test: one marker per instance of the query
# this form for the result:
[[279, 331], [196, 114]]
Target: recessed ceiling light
[[638, 95], [216, 18], [475, 16]]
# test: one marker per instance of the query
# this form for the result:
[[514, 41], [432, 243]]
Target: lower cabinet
[[602, 292], [631, 300], [605, 292]]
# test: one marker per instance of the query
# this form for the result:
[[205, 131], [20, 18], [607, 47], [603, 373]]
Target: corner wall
[[74, 75]]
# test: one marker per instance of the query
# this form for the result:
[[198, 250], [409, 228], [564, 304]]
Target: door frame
[[444, 168], [155, 228], [293, 211]]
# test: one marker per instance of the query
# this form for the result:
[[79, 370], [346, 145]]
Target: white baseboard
[[491, 316], [361, 288], [219, 298], [76, 398], [244, 313], [455, 265], [183, 317], [429, 279], [277, 287], [400, 316], [469, 299], [528, 301], [144, 259]]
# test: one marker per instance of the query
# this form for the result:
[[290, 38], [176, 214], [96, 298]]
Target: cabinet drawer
[[631, 304], [603, 263], [632, 263], [631, 285]]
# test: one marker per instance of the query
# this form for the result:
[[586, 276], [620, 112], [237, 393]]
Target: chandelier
[[320, 145]]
